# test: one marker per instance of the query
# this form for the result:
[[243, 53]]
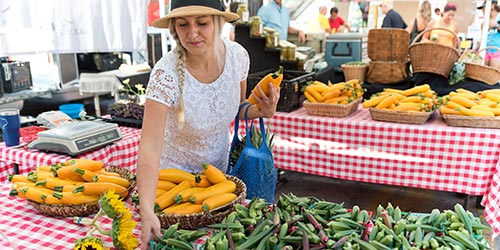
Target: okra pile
[[311, 223]]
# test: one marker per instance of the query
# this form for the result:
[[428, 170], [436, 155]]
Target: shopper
[[492, 55], [276, 16], [424, 16], [446, 21], [392, 18], [336, 22], [193, 95], [437, 11], [323, 20]]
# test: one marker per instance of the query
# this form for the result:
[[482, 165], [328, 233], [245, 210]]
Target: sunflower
[[111, 204], [121, 232], [89, 243]]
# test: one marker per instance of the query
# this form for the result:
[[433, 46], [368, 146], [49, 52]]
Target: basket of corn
[[413, 106], [334, 100], [71, 188], [194, 200], [464, 108]]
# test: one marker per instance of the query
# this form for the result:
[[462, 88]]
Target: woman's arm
[[150, 148], [409, 28], [426, 35]]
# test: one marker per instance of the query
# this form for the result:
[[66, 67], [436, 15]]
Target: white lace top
[[209, 110]]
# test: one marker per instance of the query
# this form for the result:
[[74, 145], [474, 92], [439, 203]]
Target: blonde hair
[[425, 10], [180, 53]]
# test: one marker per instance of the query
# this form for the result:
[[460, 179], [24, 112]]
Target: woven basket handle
[[445, 29], [485, 48]]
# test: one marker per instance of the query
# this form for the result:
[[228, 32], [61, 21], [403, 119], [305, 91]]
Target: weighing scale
[[77, 138]]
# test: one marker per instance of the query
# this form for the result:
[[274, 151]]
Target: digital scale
[[77, 138]]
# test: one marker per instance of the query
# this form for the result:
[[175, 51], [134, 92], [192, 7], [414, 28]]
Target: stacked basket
[[388, 52]]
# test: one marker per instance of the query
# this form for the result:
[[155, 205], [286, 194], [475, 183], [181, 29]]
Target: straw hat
[[181, 8]]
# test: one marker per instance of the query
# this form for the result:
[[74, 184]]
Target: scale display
[[77, 138]]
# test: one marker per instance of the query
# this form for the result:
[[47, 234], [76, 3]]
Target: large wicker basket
[[82, 210], [433, 57], [332, 110], [354, 72], [399, 116], [482, 73], [388, 44], [472, 122], [195, 221], [388, 72]]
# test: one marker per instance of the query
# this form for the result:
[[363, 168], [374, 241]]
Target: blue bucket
[[72, 110]]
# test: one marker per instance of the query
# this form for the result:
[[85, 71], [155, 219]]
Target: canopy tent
[[61, 26]]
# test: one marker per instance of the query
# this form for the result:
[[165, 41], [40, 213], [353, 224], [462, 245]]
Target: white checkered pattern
[[122, 153], [25, 228], [431, 156]]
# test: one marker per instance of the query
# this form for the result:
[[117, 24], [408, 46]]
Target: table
[[431, 156], [23, 227], [122, 153]]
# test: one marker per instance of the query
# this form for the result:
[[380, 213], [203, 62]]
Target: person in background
[[193, 95], [446, 21], [492, 56], [336, 22], [323, 20], [228, 29], [437, 11], [424, 16], [392, 18], [276, 16]]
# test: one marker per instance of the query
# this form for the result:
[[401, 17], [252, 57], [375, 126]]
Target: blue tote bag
[[255, 165]]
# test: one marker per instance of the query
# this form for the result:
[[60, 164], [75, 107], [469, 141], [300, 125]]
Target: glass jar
[[243, 13], [256, 26], [291, 53]]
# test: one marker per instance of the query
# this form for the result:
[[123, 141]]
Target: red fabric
[[336, 23], [154, 10], [122, 153], [432, 156]]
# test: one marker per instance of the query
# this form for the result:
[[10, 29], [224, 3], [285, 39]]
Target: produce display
[[417, 99], [338, 93], [311, 223], [466, 103], [76, 181], [180, 192]]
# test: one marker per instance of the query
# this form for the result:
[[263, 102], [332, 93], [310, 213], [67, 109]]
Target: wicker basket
[[433, 57], [82, 210], [388, 44], [482, 73], [354, 72], [195, 221], [388, 72], [333, 110], [472, 122], [400, 116]]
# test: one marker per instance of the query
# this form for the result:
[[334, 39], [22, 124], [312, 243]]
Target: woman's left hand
[[268, 103]]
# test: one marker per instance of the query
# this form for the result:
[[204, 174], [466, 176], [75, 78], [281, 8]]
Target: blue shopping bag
[[255, 165]]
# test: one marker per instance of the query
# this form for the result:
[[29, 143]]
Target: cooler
[[341, 48]]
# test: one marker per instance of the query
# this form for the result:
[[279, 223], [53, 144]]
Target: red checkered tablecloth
[[431, 156], [122, 153], [24, 228]]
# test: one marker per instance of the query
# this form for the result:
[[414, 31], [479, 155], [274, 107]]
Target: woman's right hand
[[150, 228]]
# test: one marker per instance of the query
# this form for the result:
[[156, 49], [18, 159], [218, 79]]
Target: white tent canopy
[[62, 26]]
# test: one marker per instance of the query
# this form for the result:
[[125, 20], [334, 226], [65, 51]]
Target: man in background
[[392, 19], [276, 16], [336, 22]]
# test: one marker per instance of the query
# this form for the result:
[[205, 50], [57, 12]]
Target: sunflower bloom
[[89, 243], [112, 205], [122, 232]]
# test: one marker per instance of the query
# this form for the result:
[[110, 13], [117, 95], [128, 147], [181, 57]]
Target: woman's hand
[[150, 229], [268, 103]]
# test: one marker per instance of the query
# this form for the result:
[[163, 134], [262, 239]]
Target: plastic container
[[72, 110], [291, 96]]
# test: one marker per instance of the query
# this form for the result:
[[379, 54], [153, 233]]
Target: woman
[[424, 16], [492, 55], [193, 96], [446, 21]]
